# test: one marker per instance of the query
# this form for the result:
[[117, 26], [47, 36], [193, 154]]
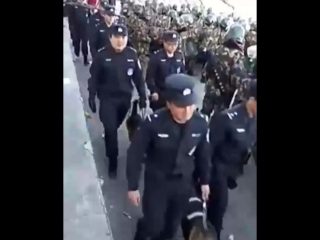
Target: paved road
[[241, 215]]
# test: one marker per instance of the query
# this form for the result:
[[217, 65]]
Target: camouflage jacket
[[224, 77], [208, 38], [251, 38]]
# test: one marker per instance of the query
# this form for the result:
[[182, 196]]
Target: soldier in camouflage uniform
[[160, 8], [188, 42], [154, 5], [223, 28], [251, 35], [131, 3], [174, 16], [140, 40], [208, 41], [189, 7], [175, 7], [212, 38], [195, 11], [183, 10], [224, 71], [125, 10]]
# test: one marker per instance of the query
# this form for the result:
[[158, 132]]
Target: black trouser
[[186, 228], [164, 203], [218, 201], [91, 31], [71, 28], [80, 41], [112, 112], [186, 224]]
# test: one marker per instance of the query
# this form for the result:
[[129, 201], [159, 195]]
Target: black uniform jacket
[[101, 37], [168, 150], [112, 74], [232, 136], [161, 66]]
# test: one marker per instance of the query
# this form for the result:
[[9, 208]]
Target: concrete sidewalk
[[85, 216]]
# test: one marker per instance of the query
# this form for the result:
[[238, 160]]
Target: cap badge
[[186, 92], [120, 30], [174, 36]]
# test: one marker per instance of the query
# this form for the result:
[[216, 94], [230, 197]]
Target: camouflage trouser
[[213, 100], [144, 60]]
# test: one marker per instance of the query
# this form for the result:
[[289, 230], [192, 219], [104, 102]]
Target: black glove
[[203, 78], [92, 104], [142, 103]]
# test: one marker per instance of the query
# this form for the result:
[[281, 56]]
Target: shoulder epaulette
[[101, 49], [202, 116], [231, 113], [157, 114], [131, 48]]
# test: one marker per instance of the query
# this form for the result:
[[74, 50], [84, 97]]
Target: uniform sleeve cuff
[[133, 188], [204, 181]]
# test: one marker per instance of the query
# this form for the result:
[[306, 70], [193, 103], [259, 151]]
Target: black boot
[[112, 170], [85, 61], [140, 232]]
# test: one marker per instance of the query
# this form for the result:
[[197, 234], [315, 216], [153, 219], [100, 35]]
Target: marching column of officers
[[188, 159]]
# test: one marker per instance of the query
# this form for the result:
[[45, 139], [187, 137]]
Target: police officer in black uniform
[[172, 142], [100, 38], [232, 136], [94, 20], [80, 32], [69, 8], [112, 72], [163, 63]]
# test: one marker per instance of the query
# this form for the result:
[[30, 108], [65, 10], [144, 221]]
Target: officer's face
[[170, 47], [108, 18], [118, 42], [181, 114]]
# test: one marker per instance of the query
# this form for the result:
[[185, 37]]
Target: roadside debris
[[87, 115], [127, 215], [87, 145]]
